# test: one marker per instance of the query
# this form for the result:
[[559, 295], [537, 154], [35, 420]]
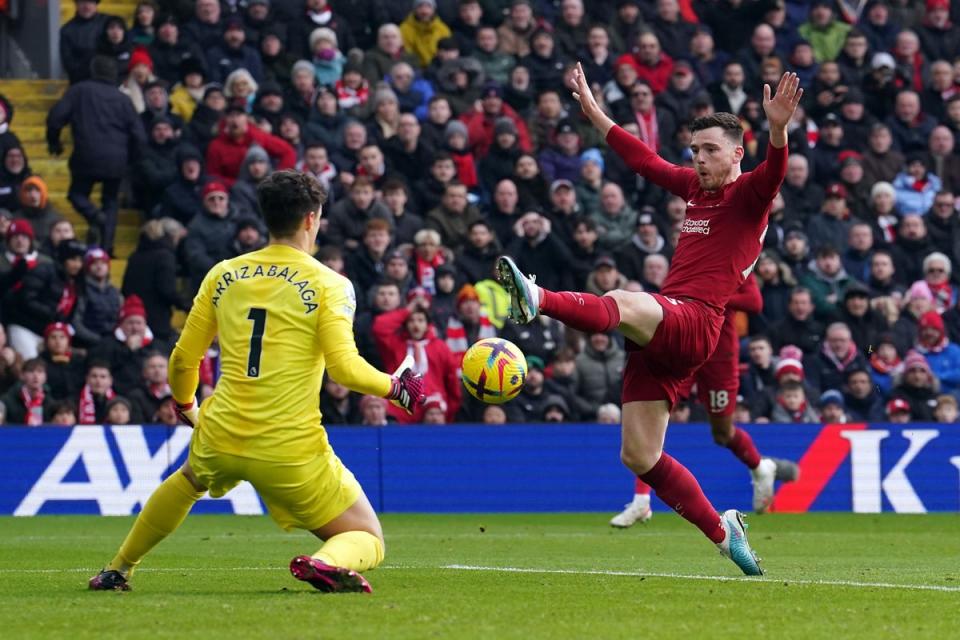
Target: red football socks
[[677, 487], [582, 311], [640, 488], [741, 444]]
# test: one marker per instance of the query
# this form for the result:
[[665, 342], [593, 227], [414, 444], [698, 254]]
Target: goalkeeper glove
[[406, 388], [189, 413]]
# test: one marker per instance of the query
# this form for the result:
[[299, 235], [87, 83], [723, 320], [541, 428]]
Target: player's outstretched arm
[[345, 364], [198, 333], [637, 155]]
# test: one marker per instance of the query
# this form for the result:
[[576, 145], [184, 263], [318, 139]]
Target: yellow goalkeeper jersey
[[282, 317]]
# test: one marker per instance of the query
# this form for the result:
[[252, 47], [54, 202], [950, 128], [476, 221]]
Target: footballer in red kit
[[675, 332], [717, 383]]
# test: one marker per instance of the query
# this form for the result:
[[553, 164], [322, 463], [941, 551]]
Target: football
[[493, 370]]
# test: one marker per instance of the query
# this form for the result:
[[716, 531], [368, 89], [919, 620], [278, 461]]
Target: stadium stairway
[[32, 99]]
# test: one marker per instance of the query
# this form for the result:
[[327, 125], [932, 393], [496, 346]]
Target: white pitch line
[[770, 580]]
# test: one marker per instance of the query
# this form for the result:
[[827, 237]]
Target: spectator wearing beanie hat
[[422, 30], [833, 408], [899, 411], [35, 206], [64, 366], [468, 324], [917, 301], [943, 356], [182, 199], [97, 310], [139, 75], [127, 349], [916, 384], [327, 59], [481, 124]]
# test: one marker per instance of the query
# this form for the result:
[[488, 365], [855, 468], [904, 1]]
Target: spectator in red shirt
[[408, 331], [227, 151], [650, 62], [480, 124]]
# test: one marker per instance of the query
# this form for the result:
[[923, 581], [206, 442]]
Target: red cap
[[837, 190], [418, 291], [140, 56], [132, 306], [213, 187], [931, 320], [938, 4], [896, 405], [21, 227], [849, 154], [788, 365], [58, 326], [94, 254]]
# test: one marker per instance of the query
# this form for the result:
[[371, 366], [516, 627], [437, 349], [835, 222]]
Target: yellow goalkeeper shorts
[[299, 495]]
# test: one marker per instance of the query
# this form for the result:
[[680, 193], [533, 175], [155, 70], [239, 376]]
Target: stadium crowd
[[445, 134]]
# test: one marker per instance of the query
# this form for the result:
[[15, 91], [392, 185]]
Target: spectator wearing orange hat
[[468, 324], [64, 366], [97, 310], [126, 351], [35, 206]]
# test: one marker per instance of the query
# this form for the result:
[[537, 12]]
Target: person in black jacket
[[105, 127], [203, 125], [8, 138], [64, 366], [29, 402], [168, 50], [181, 200], [78, 39], [156, 170], [152, 389], [538, 251], [209, 233], [114, 41], [152, 274], [476, 260], [799, 327], [96, 314], [365, 265]]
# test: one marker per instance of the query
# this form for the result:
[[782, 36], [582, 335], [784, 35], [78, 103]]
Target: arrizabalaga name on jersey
[[245, 272]]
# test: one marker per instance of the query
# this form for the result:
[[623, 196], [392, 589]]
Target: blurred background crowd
[[446, 135]]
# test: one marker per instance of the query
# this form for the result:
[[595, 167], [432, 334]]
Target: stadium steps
[[32, 99], [122, 8]]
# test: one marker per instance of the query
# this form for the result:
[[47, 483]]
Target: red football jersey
[[723, 232]]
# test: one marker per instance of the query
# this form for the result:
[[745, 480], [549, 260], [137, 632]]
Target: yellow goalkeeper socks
[[163, 513], [357, 550]]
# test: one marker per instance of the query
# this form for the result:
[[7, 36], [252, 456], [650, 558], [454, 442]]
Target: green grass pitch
[[558, 576]]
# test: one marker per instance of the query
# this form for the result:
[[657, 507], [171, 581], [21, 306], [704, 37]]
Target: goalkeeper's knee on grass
[[357, 550]]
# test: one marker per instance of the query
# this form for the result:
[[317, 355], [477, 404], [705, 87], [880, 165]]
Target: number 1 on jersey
[[259, 317]]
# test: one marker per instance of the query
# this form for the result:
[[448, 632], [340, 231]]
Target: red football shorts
[[683, 341], [718, 380]]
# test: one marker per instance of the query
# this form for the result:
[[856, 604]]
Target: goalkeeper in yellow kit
[[282, 318]]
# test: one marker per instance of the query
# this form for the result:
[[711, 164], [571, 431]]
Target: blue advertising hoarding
[[862, 468]]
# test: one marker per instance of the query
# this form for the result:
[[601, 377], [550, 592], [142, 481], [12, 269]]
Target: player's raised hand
[[780, 106], [588, 103], [406, 390]]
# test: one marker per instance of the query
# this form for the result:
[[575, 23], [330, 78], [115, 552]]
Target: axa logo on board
[[88, 447]]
